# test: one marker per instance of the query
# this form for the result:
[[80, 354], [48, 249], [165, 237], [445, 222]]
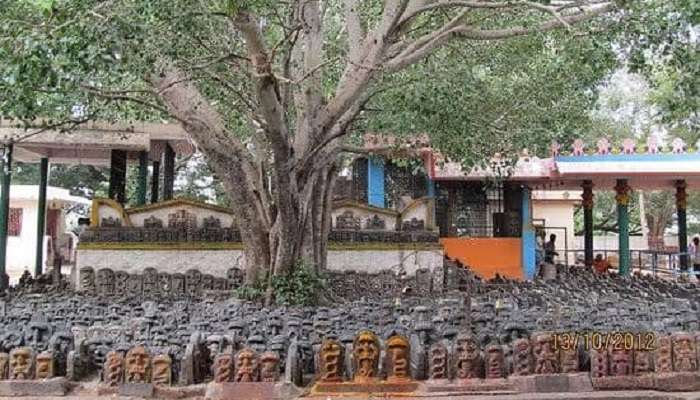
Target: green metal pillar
[[623, 222], [681, 204], [155, 181], [41, 216], [117, 176], [587, 202], [168, 172], [142, 187], [5, 213]]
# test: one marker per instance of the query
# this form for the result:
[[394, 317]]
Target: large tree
[[268, 90]]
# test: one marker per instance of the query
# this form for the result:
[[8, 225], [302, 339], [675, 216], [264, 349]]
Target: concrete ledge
[[48, 387], [251, 391]]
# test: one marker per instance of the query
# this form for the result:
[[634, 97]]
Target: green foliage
[[300, 287]]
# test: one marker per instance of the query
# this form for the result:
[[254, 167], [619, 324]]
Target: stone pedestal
[[677, 382], [143, 390], [471, 386], [251, 391], [552, 383], [44, 387], [365, 388]]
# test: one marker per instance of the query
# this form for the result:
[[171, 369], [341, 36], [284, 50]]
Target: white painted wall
[[557, 214], [217, 262], [21, 250]]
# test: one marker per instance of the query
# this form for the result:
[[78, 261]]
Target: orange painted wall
[[487, 256]]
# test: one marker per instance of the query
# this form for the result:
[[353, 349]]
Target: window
[[15, 222]]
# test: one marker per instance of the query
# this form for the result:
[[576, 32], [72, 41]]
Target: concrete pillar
[[142, 187], [375, 182], [623, 221], [5, 213], [587, 203], [168, 172], [681, 204], [117, 176], [155, 181], [41, 216], [528, 237]]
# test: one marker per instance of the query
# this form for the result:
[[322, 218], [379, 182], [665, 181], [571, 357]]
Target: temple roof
[[92, 142]]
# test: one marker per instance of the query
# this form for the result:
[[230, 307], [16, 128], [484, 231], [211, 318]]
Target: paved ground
[[636, 395]]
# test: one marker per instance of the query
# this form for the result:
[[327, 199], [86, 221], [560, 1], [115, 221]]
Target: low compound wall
[[217, 259]]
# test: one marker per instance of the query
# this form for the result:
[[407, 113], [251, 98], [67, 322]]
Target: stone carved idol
[[467, 360], [684, 352], [223, 368], [643, 362], [599, 363], [162, 370], [397, 363], [87, 280], [365, 356], [269, 367], [150, 282], [545, 356], [438, 362], [105, 282], [522, 357], [330, 361], [21, 363], [620, 361], [663, 355], [4, 364], [495, 361], [44, 365], [113, 370], [121, 281], [247, 366], [568, 360], [137, 365]]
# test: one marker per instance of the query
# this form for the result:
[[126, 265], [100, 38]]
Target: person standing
[[694, 253], [550, 249]]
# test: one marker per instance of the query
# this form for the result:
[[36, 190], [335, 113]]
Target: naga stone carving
[[4, 364], [234, 277], [543, 351], [113, 369], [162, 370], [121, 281], [223, 368], [193, 282], [21, 363], [153, 223], [684, 352], [164, 283], [137, 365], [397, 361], [211, 222], [150, 282], [111, 222], [347, 221], [87, 280], [620, 361], [247, 366], [45, 365], [468, 362], [438, 362], [522, 357], [178, 284], [269, 367], [376, 223], [495, 361], [365, 356], [414, 224], [643, 362], [569, 360], [599, 363], [182, 219], [663, 361], [331, 361]]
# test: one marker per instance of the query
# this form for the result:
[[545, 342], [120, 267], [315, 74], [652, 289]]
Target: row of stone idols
[[23, 364], [355, 285], [151, 283]]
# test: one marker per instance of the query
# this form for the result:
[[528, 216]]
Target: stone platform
[[45, 387], [251, 391], [373, 388]]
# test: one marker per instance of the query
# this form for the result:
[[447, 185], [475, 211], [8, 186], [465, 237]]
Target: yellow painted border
[[97, 202], [177, 202], [239, 246]]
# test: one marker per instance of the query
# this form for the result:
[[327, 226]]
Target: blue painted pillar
[[375, 181], [431, 187], [528, 238]]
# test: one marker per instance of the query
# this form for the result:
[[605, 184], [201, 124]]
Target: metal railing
[[656, 262]]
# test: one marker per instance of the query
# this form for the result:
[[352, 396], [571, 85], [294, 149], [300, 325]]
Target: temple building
[[399, 218]]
